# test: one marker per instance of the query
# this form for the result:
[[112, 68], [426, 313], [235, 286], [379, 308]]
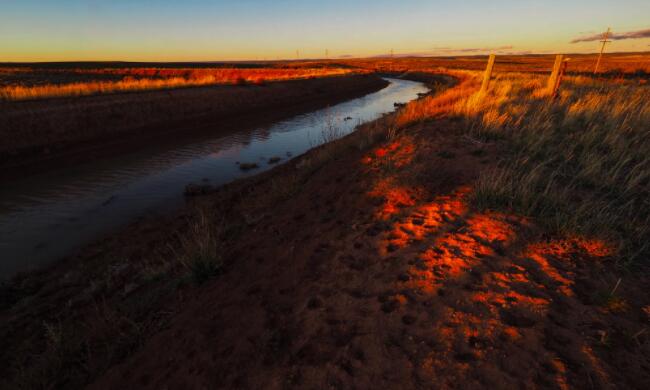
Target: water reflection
[[46, 217]]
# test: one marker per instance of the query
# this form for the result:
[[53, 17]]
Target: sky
[[203, 30]]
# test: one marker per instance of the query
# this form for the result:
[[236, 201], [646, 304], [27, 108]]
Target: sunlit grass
[[142, 79], [578, 164], [613, 65]]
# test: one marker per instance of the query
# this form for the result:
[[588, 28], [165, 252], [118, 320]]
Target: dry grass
[[579, 164], [613, 65], [441, 103], [201, 247], [141, 79]]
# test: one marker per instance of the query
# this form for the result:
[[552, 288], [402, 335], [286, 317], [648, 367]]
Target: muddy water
[[46, 217]]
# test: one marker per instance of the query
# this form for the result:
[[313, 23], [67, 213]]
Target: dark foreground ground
[[358, 265]]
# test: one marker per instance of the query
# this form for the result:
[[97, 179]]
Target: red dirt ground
[[377, 274]]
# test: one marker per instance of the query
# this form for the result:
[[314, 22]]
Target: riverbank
[[365, 263], [57, 132]]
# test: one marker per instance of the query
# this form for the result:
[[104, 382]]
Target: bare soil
[[377, 276]]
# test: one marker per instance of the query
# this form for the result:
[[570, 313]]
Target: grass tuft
[[202, 249]]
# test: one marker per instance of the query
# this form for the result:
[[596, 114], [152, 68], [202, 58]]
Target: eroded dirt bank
[[358, 265], [37, 134], [377, 274]]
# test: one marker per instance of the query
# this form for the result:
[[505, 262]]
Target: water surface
[[46, 217]]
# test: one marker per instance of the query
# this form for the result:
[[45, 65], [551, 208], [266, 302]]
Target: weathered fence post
[[552, 81], [559, 68], [488, 74]]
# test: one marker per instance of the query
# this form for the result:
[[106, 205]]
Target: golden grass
[[579, 164], [142, 79], [202, 247], [441, 103], [614, 64]]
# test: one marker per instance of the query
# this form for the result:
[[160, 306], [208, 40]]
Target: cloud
[[614, 36], [438, 51], [472, 50], [519, 53]]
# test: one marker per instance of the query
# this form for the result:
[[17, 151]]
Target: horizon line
[[378, 56]]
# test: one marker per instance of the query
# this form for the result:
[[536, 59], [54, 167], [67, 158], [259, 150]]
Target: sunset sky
[[203, 30]]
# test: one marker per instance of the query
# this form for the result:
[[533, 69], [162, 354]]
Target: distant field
[[617, 64], [47, 80], [27, 82]]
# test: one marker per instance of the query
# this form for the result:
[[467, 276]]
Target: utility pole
[[327, 54], [605, 41], [391, 53]]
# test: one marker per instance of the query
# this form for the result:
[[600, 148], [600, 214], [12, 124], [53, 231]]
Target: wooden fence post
[[565, 64], [559, 69], [552, 81], [488, 74]]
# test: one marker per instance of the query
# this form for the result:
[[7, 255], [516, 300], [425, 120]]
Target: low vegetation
[[579, 164], [201, 248], [114, 80], [614, 65]]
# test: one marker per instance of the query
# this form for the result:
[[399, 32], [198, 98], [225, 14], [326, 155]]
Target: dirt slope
[[377, 274]]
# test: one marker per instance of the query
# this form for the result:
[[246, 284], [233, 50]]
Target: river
[[46, 217]]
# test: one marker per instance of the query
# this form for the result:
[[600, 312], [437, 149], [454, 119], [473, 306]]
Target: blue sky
[[148, 30]]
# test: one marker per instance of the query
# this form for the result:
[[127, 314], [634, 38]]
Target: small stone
[[408, 319], [389, 306], [404, 277], [314, 303]]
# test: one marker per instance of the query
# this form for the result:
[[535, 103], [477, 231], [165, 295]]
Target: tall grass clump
[[442, 103], [201, 250], [579, 164]]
